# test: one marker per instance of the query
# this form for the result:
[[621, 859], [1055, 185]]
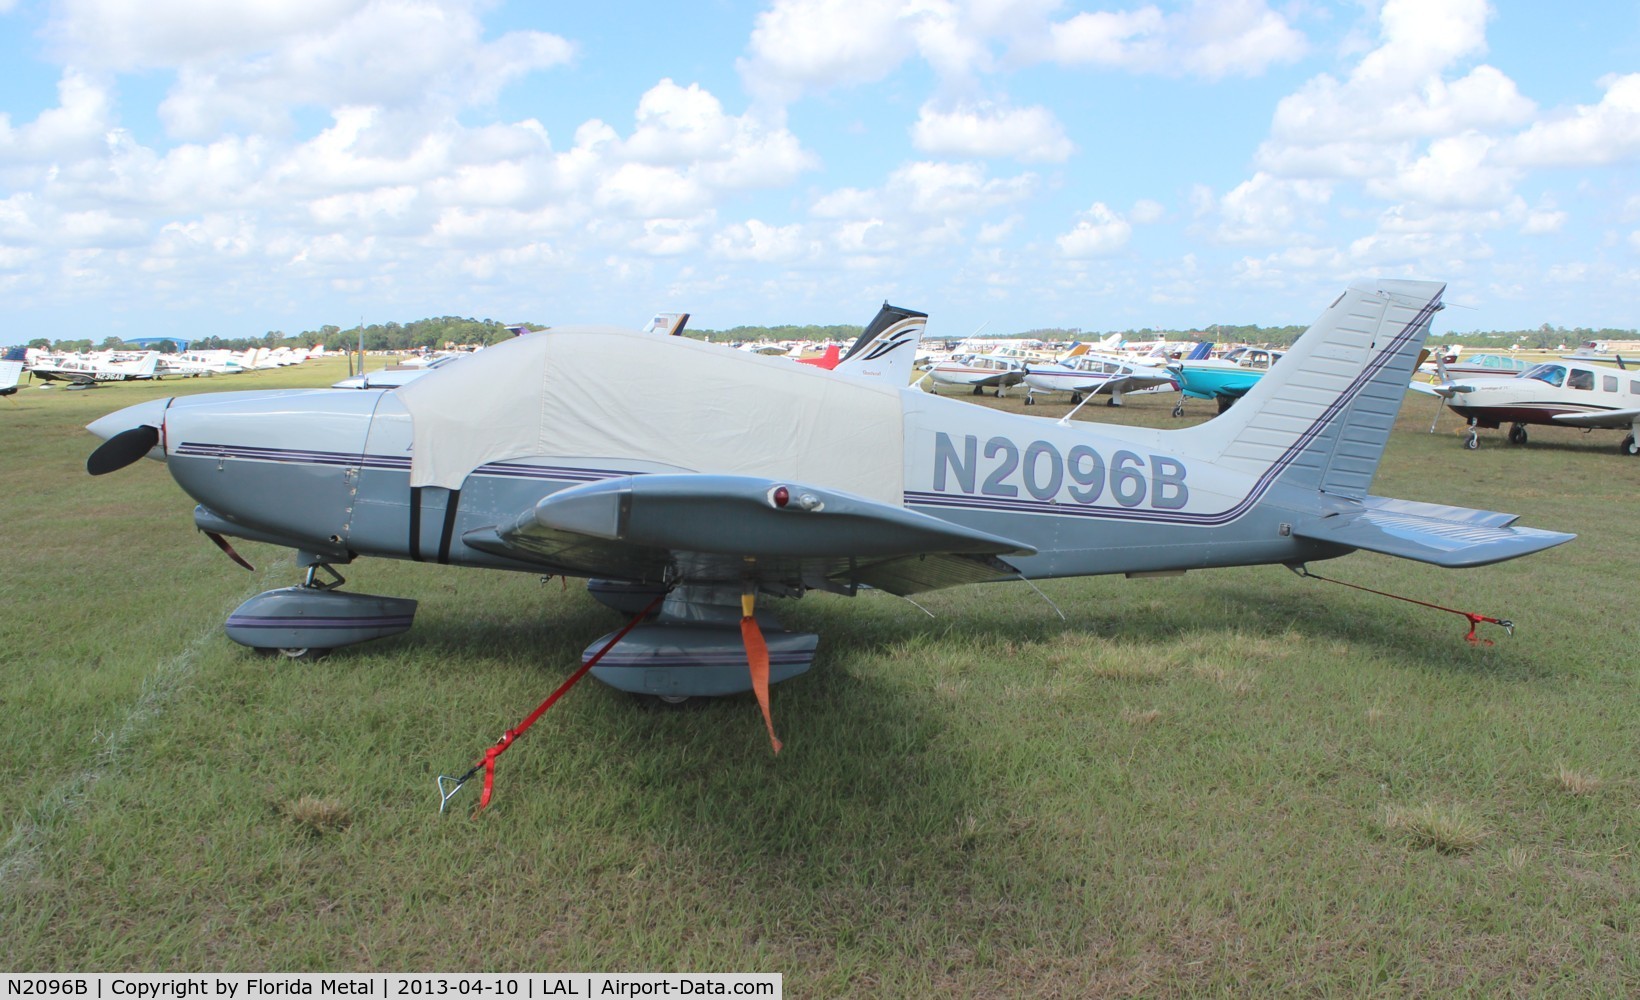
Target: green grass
[[1234, 782]]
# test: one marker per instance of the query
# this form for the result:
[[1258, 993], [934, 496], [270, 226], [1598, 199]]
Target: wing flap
[[1453, 542], [718, 527]]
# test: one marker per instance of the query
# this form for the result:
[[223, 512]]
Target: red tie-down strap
[[487, 762], [1475, 619]]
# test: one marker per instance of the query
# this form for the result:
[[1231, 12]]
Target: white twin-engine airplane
[[737, 478]]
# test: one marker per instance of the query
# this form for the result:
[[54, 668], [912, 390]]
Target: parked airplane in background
[[11, 369], [1225, 379], [85, 371], [744, 478], [1570, 394], [1091, 374], [1476, 366], [981, 371]]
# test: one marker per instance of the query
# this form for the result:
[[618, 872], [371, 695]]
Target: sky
[[231, 167]]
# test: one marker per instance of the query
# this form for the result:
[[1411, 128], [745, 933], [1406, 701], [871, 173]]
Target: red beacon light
[[781, 496]]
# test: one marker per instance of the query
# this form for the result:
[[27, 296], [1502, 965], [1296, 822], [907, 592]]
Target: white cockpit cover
[[618, 395]]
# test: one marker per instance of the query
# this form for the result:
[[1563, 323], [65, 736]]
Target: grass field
[[1237, 782]]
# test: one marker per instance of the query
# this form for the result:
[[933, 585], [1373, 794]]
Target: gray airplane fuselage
[[327, 472]]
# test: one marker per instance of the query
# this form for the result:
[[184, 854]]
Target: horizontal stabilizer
[[738, 527], [1453, 537]]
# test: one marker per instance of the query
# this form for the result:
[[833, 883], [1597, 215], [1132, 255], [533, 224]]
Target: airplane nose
[[149, 414]]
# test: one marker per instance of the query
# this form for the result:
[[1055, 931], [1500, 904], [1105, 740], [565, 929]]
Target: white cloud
[[756, 240], [948, 189], [1542, 222], [1268, 209], [1099, 233], [392, 54], [814, 45], [1607, 132], [136, 34], [76, 127], [1146, 212], [1454, 172], [1030, 134], [1367, 125], [1211, 39]]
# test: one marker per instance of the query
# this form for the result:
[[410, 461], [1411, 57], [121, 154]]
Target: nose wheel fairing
[[315, 617]]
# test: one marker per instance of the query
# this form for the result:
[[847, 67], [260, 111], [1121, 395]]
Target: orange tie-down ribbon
[[757, 659]]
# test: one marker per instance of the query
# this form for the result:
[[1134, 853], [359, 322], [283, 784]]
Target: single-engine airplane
[[1091, 374], [87, 371], [981, 371], [742, 477], [1573, 394], [1223, 380]]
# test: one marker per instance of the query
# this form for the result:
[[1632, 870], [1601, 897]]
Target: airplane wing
[[1132, 383], [1604, 418], [1452, 537], [730, 528]]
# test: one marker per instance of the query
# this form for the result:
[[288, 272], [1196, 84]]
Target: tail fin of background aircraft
[[11, 369], [1321, 418], [1200, 352], [887, 348]]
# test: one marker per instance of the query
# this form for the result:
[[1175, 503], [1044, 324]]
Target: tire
[[1517, 435], [1472, 442], [1629, 446], [305, 653]]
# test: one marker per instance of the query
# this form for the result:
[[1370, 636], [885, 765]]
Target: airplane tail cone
[[122, 449]]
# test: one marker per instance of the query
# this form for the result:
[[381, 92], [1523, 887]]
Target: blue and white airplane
[[741, 478]]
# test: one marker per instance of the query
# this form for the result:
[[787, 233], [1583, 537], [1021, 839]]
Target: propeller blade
[[122, 449]]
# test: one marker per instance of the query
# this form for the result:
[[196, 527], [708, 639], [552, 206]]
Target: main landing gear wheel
[[1029, 400], [1517, 434], [307, 653], [1472, 440], [1076, 397], [670, 702], [979, 390], [1629, 446]]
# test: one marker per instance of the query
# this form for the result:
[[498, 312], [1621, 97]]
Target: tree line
[[436, 333]]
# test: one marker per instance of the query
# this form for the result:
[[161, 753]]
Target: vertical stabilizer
[[11, 369], [1322, 416], [887, 349]]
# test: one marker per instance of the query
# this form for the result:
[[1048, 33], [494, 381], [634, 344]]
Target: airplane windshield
[[1552, 374]]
